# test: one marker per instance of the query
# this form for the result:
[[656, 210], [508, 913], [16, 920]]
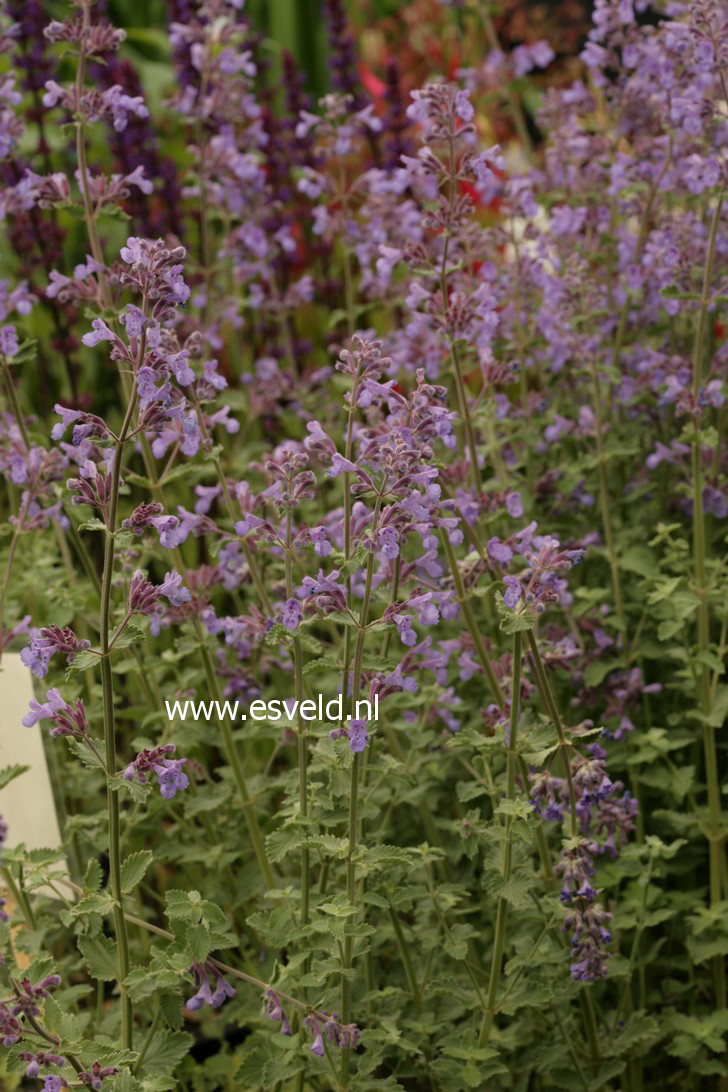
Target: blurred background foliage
[[421, 34], [385, 44]]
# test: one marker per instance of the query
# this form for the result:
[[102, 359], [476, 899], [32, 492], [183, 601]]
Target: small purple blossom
[[169, 772], [291, 613]]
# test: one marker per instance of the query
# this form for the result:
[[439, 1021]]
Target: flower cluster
[[170, 775], [212, 988]]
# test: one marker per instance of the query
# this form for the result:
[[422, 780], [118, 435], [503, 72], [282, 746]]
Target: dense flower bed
[[342, 397]]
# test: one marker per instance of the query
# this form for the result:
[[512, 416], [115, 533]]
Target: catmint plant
[[356, 402]]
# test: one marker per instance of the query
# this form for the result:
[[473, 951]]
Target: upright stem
[[231, 753], [545, 690], [502, 909], [300, 729], [346, 656], [700, 552], [354, 793], [89, 215], [346, 480], [461, 391], [604, 503], [107, 685], [481, 650], [255, 574], [14, 403]]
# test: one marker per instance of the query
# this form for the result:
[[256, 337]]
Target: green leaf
[[183, 905], [124, 1082], [92, 878], [515, 890], [82, 661], [641, 1030], [101, 956], [197, 940], [672, 292], [89, 758], [9, 773], [131, 635], [638, 559], [101, 903], [719, 711], [134, 868], [170, 1005], [166, 1051], [514, 620], [283, 841], [598, 670]]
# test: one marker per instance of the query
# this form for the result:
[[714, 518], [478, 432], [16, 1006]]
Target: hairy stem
[[351, 891], [300, 730], [544, 688], [107, 685], [700, 553], [502, 908], [463, 600]]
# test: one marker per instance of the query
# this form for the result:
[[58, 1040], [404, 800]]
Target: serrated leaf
[[93, 876], [89, 758], [170, 1005], [134, 868], [183, 905], [515, 890], [101, 956], [124, 1082], [166, 1051], [101, 903], [513, 620], [132, 635], [283, 841], [82, 661], [9, 773], [640, 1028], [197, 940]]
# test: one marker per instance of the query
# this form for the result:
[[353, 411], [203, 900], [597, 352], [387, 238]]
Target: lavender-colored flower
[[291, 614], [67, 720], [142, 517], [54, 1083], [514, 504], [172, 532], [144, 596], [11, 1029], [206, 995], [404, 629], [321, 544], [317, 1046], [169, 772], [274, 1011], [40, 1060], [9, 344], [358, 735], [97, 1074], [388, 543], [46, 643]]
